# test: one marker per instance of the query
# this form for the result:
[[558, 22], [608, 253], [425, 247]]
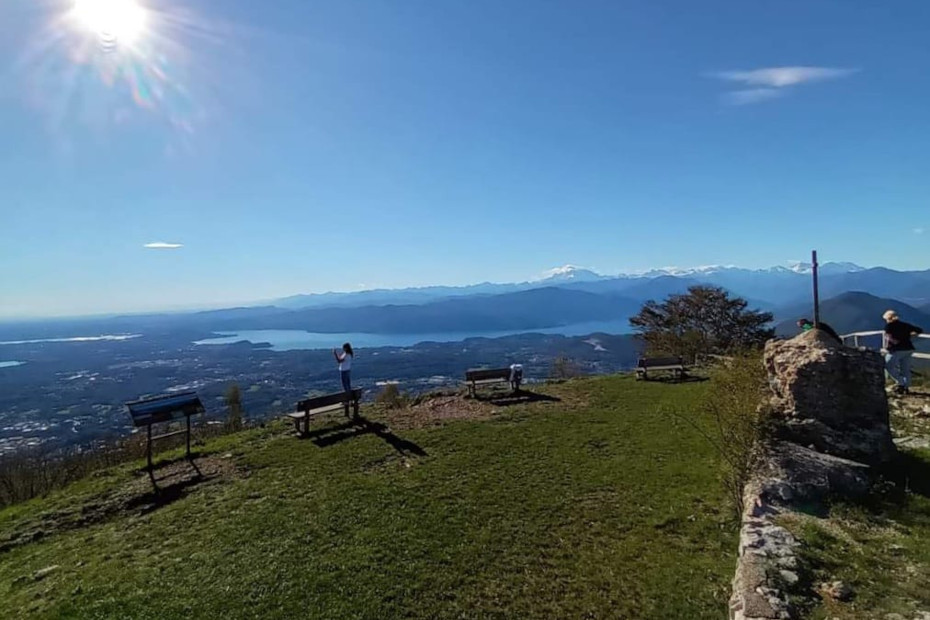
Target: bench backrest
[[482, 374], [327, 400], [651, 362], [164, 408]]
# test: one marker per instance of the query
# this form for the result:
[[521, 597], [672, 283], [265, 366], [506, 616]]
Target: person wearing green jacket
[[806, 325]]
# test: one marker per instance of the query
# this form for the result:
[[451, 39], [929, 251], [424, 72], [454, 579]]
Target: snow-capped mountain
[[570, 273], [706, 270], [826, 268], [770, 288], [680, 272]]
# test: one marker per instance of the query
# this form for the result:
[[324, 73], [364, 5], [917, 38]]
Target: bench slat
[[338, 398], [300, 415], [321, 404], [484, 374], [656, 362]]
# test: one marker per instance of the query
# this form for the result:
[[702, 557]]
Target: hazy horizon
[[252, 302]]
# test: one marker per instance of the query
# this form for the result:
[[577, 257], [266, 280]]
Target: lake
[[295, 339], [10, 364], [113, 338]]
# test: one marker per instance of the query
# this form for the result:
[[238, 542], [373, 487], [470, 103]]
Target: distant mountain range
[[853, 300], [772, 288]]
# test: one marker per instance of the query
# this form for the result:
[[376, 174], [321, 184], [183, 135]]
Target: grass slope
[[596, 506]]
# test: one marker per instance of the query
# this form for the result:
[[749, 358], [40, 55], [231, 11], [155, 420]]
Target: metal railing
[[856, 335]]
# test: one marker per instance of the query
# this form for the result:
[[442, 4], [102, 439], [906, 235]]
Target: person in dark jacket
[[899, 348], [807, 325]]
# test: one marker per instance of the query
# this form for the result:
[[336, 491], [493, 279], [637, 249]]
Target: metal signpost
[[816, 289], [161, 409]]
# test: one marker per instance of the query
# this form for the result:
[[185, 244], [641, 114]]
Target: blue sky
[[302, 146]]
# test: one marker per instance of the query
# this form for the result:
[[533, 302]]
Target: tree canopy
[[703, 320]]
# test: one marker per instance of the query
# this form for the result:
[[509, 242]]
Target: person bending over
[[899, 348], [806, 325]]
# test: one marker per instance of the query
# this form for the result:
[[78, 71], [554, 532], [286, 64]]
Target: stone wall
[[832, 426]]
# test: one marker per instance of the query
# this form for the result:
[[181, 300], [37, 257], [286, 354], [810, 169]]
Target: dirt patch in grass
[[174, 479], [437, 409]]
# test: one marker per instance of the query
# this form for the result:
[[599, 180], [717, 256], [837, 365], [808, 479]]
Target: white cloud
[[918, 231], [779, 77], [751, 95], [161, 245], [771, 82]]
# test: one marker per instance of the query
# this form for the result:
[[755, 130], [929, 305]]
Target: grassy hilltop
[[591, 503]]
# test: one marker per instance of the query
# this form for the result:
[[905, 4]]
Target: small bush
[[564, 368], [233, 399], [738, 420], [391, 397]]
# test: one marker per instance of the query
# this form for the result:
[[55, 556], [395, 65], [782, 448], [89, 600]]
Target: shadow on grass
[[907, 474], [519, 397], [182, 474], [329, 435], [912, 473], [673, 379]]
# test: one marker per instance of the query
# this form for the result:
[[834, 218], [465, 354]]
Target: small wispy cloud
[[771, 82], [918, 231], [161, 245], [779, 77]]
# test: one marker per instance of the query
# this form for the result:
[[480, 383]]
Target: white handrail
[[855, 337]]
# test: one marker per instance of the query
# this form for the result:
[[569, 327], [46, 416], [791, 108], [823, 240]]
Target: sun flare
[[118, 21]]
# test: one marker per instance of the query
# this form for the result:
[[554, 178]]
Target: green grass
[[593, 507], [881, 549]]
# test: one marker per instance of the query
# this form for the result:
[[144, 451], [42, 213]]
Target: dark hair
[[805, 322], [348, 349]]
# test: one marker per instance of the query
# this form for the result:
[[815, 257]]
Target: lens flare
[[114, 21], [130, 65]]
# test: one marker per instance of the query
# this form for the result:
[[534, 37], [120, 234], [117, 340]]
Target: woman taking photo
[[344, 359]]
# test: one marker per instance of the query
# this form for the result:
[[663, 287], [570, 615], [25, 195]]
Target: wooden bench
[[675, 365], [484, 376], [323, 404], [167, 408]]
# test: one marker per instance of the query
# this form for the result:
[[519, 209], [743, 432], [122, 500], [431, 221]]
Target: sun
[[119, 21]]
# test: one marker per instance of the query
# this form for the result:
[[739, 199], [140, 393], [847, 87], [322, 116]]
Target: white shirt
[[346, 363]]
